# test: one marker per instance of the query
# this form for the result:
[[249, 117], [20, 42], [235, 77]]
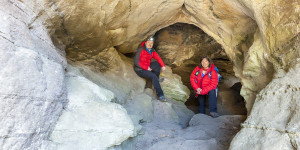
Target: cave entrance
[[181, 46]]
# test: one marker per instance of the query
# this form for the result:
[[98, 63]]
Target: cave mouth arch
[[181, 45]]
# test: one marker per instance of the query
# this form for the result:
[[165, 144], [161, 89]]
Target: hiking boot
[[162, 98], [214, 114], [161, 79]]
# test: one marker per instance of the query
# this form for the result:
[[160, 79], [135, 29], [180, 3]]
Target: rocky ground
[[173, 126]]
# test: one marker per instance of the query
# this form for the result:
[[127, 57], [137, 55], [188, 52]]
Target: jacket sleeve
[[159, 60], [193, 78], [213, 83], [137, 59]]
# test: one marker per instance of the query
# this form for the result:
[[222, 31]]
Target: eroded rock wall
[[259, 37], [249, 31], [275, 114], [115, 73], [32, 76]]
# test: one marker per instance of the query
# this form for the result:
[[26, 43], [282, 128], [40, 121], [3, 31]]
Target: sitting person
[[204, 80], [147, 69]]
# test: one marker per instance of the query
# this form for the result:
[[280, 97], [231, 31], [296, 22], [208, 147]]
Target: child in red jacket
[[204, 80]]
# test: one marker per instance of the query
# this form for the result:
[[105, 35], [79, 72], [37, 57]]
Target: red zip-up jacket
[[142, 58], [206, 83]]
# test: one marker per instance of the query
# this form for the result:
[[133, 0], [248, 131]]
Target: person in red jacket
[[204, 80], [147, 69]]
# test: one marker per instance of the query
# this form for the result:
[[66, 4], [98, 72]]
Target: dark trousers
[[153, 75], [212, 98]]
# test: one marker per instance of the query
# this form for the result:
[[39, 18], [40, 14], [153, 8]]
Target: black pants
[[212, 98], [153, 75]]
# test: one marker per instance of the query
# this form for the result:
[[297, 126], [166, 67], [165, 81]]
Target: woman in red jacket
[[204, 80], [147, 69]]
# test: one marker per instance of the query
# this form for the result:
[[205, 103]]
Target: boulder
[[90, 117], [173, 87]]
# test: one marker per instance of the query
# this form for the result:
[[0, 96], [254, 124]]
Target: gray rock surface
[[203, 132], [120, 77], [90, 117], [142, 106], [258, 37], [274, 120], [32, 78]]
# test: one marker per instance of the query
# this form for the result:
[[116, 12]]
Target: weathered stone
[[140, 105], [173, 87], [32, 79], [275, 116], [259, 37], [182, 43], [119, 76], [90, 117], [243, 28]]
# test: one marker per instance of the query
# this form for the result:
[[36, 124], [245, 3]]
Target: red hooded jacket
[[142, 58], [206, 83]]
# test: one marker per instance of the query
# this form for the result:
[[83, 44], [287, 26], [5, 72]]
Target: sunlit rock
[[32, 87], [173, 87], [90, 117], [275, 115], [259, 37]]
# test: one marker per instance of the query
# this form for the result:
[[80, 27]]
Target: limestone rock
[[112, 22], [203, 131], [140, 105], [274, 118], [119, 76], [182, 43], [257, 36], [32, 79], [173, 87], [249, 32], [90, 117]]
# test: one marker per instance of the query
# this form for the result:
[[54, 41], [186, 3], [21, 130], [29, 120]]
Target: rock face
[[119, 76], [249, 32], [32, 76], [184, 44], [90, 117], [261, 38], [275, 114]]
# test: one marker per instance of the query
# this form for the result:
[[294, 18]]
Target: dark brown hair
[[208, 59]]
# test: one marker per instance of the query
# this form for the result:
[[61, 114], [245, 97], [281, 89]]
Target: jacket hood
[[143, 44]]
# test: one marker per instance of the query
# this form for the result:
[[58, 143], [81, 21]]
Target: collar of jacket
[[149, 51], [212, 67]]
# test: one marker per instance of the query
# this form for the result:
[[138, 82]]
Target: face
[[205, 63], [149, 44]]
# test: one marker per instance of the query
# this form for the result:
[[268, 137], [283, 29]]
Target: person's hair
[[208, 59]]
